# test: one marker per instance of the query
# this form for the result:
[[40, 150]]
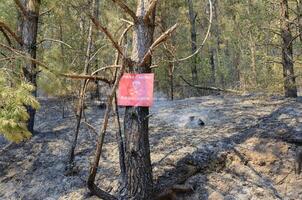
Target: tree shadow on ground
[[204, 157]]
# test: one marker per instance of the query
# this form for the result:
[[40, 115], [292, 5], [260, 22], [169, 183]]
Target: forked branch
[[157, 42], [6, 36], [93, 169], [108, 34], [126, 8], [11, 32]]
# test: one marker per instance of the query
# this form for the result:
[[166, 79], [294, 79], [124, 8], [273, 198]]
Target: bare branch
[[93, 169], [203, 42], [124, 6], [6, 36], [108, 34], [21, 8], [127, 21], [91, 128], [107, 67], [209, 88], [72, 76], [150, 10], [11, 32], [47, 11], [157, 42], [53, 40]]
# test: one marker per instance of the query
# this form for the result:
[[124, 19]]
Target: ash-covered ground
[[245, 150]]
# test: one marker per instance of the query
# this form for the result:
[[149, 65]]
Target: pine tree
[[13, 114]]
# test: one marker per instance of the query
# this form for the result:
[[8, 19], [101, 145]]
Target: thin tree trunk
[[252, 46], [29, 29], [290, 87], [213, 66], [171, 71], [192, 18], [253, 59], [237, 70], [80, 106]]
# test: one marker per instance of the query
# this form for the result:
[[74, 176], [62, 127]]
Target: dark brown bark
[[290, 87], [299, 11], [136, 122], [192, 18], [213, 65], [215, 48], [171, 77], [29, 30]]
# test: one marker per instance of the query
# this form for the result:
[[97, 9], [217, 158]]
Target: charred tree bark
[[136, 122], [290, 87], [192, 18], [28, 28]]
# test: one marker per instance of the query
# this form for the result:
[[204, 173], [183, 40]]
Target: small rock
[[215, 196]]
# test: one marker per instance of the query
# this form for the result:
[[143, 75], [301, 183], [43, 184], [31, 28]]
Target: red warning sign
[[136, 90]]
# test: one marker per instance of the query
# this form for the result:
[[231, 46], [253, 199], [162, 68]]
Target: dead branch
[[209, 88], [7, 58], [86, 77], [47, 11], [94, 166], [21, 8], [150, 10], [157, 42], [127, 21], [54, 40], [108, 34], [204, 40], [126, 8], [11, 32], [72, 76], [93, 169], [107, 67], [6, 36], [91, 128], [99, 192]]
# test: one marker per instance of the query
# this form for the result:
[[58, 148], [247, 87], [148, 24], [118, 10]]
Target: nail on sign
[[136, 90]]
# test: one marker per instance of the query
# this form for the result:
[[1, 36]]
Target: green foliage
[[13, 115]]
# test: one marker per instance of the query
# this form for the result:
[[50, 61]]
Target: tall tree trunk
[[97, 94], [171, 77], [213, 65], [252, 46], [290, 87], [236, 60], [215, 49], [136, 122], [192, 18], [28, 28], [299, 11]]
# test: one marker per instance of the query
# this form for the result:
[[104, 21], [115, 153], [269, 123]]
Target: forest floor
[[244, 151]]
